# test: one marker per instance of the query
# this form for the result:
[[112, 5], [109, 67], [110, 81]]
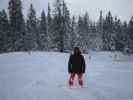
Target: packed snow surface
[[44, 76]]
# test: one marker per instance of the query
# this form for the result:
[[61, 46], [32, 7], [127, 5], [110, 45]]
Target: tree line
[[57, 30]]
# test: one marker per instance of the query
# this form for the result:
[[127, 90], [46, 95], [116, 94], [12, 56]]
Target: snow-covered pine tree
[[17, 26], [38, 33], [99, 41], [31, 30], [43, 35], [73, 34], [130, 34], [4, 32], [118, 35], [85, 33], [108, 32], [79, 33], [57, 29], [49, 28], [125, 36], [66, 26], [93, 36]]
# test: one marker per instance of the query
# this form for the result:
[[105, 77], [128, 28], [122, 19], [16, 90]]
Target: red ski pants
[[72, 76]]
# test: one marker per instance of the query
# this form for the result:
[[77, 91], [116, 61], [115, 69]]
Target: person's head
[[77, 50]]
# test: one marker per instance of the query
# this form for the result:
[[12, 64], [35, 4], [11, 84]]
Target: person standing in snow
[[76, 66]]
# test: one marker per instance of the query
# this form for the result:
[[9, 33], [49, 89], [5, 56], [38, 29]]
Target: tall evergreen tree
[[118, 35], [125, 36], [49, 17], [79, 36], [16, 24], [32, 36], [99, 40], [73, 34], [4, 32], [93, 36], [108, 33], [58, 32], [85, 30], [43, 35], [85, 33], [66, 26], [49, 27], [130, 34]]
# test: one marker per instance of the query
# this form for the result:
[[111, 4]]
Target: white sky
[[121, 8]]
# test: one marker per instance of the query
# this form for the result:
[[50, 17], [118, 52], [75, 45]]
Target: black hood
[[77, 51]]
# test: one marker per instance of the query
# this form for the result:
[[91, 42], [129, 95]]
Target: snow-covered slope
[[43, 76]]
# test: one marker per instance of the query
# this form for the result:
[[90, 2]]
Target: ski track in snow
[[43, 76]]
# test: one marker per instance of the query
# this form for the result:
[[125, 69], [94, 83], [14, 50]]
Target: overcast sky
[[121, 8]]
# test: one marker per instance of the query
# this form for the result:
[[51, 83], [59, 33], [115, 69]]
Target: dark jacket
[[76, 64]]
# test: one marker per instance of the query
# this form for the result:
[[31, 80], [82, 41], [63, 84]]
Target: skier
[[76, 66]]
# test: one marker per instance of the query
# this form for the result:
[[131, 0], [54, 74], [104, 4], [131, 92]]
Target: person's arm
[[69, 64], [83, 64]]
